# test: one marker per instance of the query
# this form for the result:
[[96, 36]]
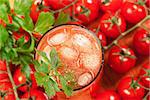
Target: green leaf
[[55, 84], [44, 22], [21, 7], [62, 18], [40, 79], [3, 1], [55, 61], [49, 89], [21, 41], [42, 68], [26, 23], [13, 27], [3, 13], [26, 70], [67, 90], [3, 36], [44, 56]]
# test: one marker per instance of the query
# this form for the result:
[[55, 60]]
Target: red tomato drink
[[81, 55]]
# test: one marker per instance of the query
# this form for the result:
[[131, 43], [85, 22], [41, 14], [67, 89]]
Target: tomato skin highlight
[[105, 25], [116, 62], [130, 93], [133, 13], [140, 43], [112, 5]]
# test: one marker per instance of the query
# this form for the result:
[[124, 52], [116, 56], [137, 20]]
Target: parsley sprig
[[47, 74]]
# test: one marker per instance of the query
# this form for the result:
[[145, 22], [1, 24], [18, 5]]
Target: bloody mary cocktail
[[81, 55]]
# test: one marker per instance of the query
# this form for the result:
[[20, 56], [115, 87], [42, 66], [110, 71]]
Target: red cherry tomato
[[148, 3], [57, 4], [141, 42], [3, 65], [133, 13], [121, 59], [110, 5], [8, 96], [3, 76], [112, 25], [86, 10], [101, 37], [144, 75], [5, 86], [128, 89], [37, 94], [108, 95], [20, 78]]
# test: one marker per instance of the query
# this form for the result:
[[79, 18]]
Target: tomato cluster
[[113, 19]]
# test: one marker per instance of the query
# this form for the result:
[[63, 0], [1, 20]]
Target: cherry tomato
[[129, 89], [148, 3], [3, 65], [121, 59], [133, 13], [101, 37], [19, 79], [141, 42], [108, 95], [110, 5], [112, 25], [3, 76], [57, 4], [145, 75], [86, 10], [37, 94], [5, 86]]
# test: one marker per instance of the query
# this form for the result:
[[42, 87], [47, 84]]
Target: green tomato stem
[[12, 82], [126, 32], [30, 49]]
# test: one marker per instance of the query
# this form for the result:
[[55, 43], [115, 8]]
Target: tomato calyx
[[105, 1], [85, 11], [134, 84], [141, 2], [146, 39], [147, 72], [114, 20], [2, 94], [124, 53]]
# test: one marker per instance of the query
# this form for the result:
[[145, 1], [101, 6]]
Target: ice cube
[[68, 53], [57, 39], [90, 61], [82, 42], [84, 79]]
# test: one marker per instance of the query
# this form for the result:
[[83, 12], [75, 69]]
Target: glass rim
[[99, 43]]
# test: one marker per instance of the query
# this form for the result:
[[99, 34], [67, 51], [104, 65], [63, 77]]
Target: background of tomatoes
[[99, 12]]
